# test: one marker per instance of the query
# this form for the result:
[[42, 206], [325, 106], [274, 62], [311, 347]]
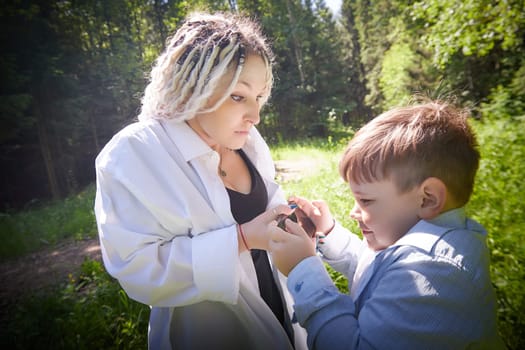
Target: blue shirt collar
[[426, 233]]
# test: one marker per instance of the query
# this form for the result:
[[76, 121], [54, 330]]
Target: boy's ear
[[434, 198]]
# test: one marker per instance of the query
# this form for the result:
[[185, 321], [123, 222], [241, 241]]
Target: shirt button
[[298, 286]]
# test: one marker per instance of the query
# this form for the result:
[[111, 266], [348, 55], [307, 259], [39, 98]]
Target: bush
[[497, 203], [91, 312]]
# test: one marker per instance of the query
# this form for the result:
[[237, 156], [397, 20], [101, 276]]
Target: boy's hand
[[290, 248], [318, 212]]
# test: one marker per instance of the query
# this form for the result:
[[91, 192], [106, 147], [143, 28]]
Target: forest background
[[73, 73]]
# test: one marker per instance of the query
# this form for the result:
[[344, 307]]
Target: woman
[[185, 196]]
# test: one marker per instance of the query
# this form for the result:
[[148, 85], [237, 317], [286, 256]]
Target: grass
[[44, 224], [92, 311]]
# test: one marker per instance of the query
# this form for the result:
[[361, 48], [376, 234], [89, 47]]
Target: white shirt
[[365, 260], [167, 233]]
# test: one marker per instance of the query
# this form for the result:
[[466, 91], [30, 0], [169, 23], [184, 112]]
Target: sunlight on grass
[[322, 183], [46, 224]]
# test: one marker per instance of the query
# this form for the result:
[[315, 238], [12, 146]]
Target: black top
[[244, 208]]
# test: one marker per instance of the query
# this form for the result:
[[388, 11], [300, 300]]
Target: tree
[[478, 44]]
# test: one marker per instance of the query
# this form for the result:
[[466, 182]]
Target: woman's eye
[[237, 98]]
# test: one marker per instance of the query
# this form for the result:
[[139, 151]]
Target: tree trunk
[[357, 73], [45, 148], [94, 132], [295, 43]]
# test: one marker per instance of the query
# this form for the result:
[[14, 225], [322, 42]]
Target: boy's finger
[[277, 234], [308, 207], [301, 202], [320, 206], [294, 228]]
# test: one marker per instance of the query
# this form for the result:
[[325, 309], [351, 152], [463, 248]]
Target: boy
[[419, 278]]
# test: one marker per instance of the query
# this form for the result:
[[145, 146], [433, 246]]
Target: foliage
[[91, 312], [507, 101], [308, 84], [74, 71], [394, 74], [498, 205], [472, 27], [475, 45], [373, 25], [47, 223]]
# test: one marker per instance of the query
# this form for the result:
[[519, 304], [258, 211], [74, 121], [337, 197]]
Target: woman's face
[[229, 125]]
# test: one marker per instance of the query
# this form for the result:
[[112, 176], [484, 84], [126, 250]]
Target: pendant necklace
[[221, 170]]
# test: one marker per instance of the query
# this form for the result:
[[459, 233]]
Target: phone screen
[[300, 217]]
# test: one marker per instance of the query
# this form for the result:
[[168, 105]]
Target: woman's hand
[[290, 248], [256, 231], [318, 212]]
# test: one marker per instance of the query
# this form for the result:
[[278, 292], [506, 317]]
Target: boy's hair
[[207, 51], [410, 144]]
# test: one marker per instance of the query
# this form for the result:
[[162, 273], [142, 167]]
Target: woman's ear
[[434, 198]]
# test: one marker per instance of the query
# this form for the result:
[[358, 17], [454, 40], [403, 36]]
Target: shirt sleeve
[[145, 234], [341, 250], [328, 315], [416, 303]]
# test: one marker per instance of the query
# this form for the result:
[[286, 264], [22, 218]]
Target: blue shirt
[[429, 290]]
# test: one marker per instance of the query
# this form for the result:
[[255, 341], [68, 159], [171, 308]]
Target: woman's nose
[[253, 114]]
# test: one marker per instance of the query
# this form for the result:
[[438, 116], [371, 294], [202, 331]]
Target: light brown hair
[[410, 144]]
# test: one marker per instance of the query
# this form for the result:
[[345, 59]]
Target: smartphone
[[300, 217]]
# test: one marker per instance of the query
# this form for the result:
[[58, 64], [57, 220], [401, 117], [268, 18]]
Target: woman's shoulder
[[138, 136], [138, 130]]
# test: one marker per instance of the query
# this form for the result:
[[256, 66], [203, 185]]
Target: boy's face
[[384, 215]]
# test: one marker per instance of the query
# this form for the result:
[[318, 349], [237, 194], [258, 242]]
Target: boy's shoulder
[[460, 246]]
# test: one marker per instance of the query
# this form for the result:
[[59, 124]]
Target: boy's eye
[[365, 202], [237, 98]]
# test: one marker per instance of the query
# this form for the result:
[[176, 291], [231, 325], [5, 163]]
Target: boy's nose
[[355, 213]]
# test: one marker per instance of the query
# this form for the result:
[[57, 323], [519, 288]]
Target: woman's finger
[[281, 209]]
